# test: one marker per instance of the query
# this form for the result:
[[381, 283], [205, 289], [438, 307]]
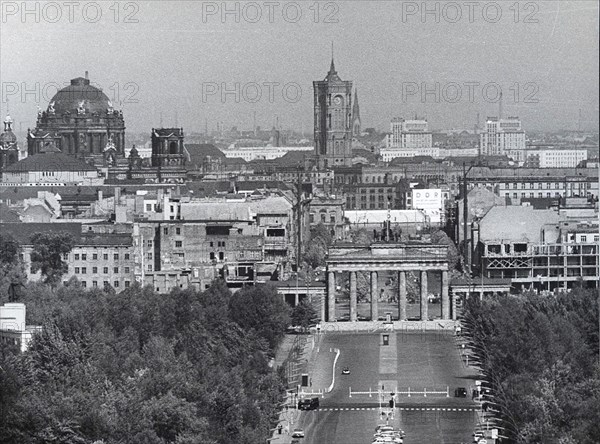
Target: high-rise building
[[503, 137], [333, 120], [409, 134]]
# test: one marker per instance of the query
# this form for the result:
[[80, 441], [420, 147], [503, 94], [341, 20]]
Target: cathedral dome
[[78, 93]]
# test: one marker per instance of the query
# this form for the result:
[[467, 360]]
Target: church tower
[[9, 151], [355, 116], [333, 120]]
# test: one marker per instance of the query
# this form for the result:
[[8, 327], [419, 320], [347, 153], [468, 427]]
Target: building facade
[[409, 134], [503, 137]]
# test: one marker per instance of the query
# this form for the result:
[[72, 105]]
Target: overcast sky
[[174, 58]]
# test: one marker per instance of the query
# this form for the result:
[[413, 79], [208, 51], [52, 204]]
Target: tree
[[441, 238], [8, 250], [319, 242], [304, 314], [262, 310], [47, 254]]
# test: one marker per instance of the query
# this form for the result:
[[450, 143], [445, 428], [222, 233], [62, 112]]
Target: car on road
[[298, 433], [308, 404], [460, 392], [346, 371]]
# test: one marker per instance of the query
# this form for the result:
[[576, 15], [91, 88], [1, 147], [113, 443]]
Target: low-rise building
[[13, 329]]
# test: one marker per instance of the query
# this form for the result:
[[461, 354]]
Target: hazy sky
[[175, 58]]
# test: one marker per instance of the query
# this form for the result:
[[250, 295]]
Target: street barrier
[[408, 392]]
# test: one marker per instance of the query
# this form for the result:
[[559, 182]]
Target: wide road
[[412, 359]]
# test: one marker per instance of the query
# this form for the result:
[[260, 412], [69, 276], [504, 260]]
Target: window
[[149, 256], [94, 270], [105, 257], [95, 284], [106, 284], [212, 256], [165, 231], [116, 256], [116, 284], [76, 270], [84, 284], [66, 256], [116, 270], [332, 218], [583, 238], [149, 244], [212, 244], [127, 284], [178, 244], [148, 207], [77, 257], [178, 230], [95, 256], [596, 238], [105, 270], [83, 270], [221, 255], [149, 267], [126, 256], [84, 257]]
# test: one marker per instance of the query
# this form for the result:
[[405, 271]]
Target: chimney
[[86, 75]]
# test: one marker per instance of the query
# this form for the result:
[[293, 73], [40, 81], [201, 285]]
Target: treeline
[[142, 368], [541, 355]]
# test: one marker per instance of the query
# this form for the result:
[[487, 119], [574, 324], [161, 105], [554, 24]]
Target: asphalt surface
[[412, 359]]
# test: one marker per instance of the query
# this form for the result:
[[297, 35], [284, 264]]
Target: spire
[[332, 67], [355, 107]]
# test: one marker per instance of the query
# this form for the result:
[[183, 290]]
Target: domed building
[[80, 121]]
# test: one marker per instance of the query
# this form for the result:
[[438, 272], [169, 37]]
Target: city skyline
[[389, 52]]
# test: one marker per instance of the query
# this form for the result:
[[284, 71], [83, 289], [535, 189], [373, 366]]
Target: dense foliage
[[541, 354], [47, 255], [141, 368]]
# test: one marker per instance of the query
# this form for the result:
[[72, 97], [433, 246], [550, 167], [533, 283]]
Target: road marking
[[440, 409]]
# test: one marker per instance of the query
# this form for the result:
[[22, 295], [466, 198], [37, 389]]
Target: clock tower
[[333, 120]]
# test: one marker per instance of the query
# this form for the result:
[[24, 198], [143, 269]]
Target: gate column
[[331, 296], [402, 295], [424, 299], [352, 296], [374, 308], [445, 299]]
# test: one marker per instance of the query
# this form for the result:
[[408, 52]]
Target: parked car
[[460, 392], [346, 371]]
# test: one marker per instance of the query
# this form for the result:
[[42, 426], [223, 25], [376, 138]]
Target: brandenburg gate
[[386, 257]]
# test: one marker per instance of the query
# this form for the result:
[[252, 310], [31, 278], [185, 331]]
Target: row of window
[[84, 256], [177, 230], [106, 284], [83, 270]]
